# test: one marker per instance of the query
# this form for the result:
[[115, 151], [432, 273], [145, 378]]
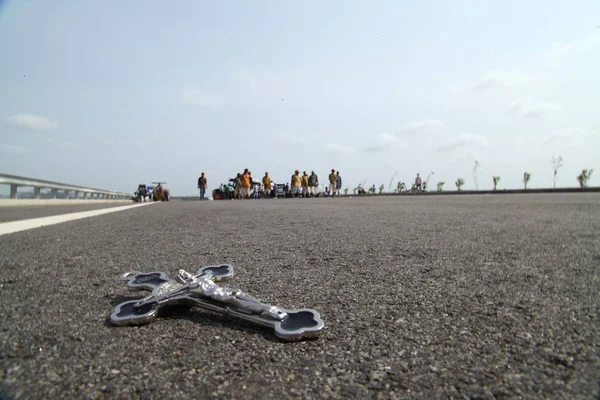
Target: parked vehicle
[[142, 194], [280, 190], [160, 193]]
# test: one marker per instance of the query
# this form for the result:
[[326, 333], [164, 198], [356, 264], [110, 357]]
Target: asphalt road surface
[[17, 213], [423, 297]]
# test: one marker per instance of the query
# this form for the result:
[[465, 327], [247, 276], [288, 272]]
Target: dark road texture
[[476, 297]]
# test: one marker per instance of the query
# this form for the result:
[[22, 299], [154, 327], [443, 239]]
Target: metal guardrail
[[37, 184]]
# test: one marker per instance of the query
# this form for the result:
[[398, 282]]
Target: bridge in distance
[[492, 296]]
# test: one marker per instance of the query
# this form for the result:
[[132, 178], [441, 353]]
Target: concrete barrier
[[56, 202], [37, 184]]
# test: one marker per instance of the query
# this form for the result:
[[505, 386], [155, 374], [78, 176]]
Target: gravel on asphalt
[[422, 297]]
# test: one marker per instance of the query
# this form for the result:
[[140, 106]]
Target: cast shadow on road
[[201, 317]]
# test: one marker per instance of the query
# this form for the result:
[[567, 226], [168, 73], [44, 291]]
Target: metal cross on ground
[[201, 290]]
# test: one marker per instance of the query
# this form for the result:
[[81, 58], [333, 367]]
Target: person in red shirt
[[202, 186]]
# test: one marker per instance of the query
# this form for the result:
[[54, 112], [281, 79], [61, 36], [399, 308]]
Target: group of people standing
[[308, 185], [244, 187], [335, 183]]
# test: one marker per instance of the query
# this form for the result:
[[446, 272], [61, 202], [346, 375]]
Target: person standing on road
[[296, 184], [267, 185], [237, 186], [338, 183], [313, 184], [332, 183], [251, 191], [305, 187], [418, 182], [202, 185], [245, 183]]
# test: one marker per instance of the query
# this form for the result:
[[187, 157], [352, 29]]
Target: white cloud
[[244, 74], [421, 126], [12, 149], [60, 144], [462, 141], [68, 145], [530, 108], [145, 140], [466, 158], [293, 140], [30, 121], [195, 97], [565, 49], [382, 142], [273, 80], [498, 78], [570, 140], [337, 148], [572, 137]]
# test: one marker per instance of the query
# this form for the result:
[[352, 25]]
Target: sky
[[114, 93]]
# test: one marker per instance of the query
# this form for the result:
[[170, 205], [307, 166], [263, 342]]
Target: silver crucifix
[[201, 290]]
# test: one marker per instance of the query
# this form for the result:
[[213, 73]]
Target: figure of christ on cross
[[206, 287]]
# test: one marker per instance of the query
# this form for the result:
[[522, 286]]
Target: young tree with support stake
[[584, 177], [496, 179], [557, 163], [459, 183], [392, 180], [426, 184], [526, 177], [475, 175]]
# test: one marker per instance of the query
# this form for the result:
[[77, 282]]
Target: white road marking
[[23, 225]]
